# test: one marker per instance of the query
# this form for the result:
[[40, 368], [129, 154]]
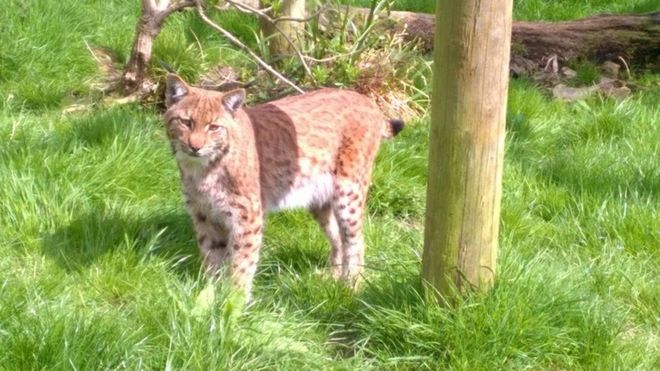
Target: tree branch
[[263, 12], [237, 42], [246, 8], [149, 6], [260, 13], [321, 10]]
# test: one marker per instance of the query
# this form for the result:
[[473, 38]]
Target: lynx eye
[[187, 123], [214, 127]]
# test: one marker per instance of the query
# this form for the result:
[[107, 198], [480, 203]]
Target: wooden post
[[470, 84], [293, 30]]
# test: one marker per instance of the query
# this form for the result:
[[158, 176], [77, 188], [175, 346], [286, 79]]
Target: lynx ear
[[233, 100], [175, 89]]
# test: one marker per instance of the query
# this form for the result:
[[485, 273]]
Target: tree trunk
[[135, 78], [466, 148], [136, 67], [278, 33], [635, 38]]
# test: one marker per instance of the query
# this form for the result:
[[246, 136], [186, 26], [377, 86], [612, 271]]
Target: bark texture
[[470, 82], [135, 78], [278, 33], [635, 38]]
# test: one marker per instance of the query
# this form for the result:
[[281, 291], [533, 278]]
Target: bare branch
[[625, 64], [246, 8], [331, 59], [237, 42], [263, 12], [89, 48], [321, 10], [259, 12]]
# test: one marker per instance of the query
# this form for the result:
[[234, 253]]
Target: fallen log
[[633, 40], [628, 40]]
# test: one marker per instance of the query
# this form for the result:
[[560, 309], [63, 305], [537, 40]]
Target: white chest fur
[[307, 192], [206, 193], [201, 186]]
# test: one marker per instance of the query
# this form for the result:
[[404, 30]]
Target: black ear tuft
[[175, 89], [397, 125], [233, 100]]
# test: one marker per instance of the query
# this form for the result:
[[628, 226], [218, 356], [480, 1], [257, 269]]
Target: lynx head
[[199, 122]]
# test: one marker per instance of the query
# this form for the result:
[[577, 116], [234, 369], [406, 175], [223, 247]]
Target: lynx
[[312, 151]]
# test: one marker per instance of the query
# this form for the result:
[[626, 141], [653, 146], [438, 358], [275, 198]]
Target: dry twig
[[260, 13], [237, 42], [264, 12]]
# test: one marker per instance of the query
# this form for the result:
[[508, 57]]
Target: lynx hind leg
[[352, 177], [325, 216], [348, 206]]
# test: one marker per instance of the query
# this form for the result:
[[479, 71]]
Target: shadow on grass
[[647, 6], [596, 177], [353, 321], [170, 236], [293, 243], [92, 235], [299, 260], [597, 170], [343, 314], [117, 124]]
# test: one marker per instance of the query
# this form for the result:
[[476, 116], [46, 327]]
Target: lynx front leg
[[212, 240], [245, 244], [326, 219]]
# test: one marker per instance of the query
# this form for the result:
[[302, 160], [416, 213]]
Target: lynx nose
[[196, 143]]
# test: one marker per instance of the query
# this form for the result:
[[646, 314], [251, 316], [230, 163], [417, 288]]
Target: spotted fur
[[313, 151]]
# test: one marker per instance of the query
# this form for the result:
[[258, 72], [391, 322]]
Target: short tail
[[392, 128]]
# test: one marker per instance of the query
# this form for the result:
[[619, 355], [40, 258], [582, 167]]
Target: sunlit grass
[[100, 271]]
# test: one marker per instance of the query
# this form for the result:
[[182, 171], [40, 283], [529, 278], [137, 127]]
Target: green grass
[[99, 268]]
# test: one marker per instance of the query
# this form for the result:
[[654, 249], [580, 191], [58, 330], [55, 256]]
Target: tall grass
[[99, 268]]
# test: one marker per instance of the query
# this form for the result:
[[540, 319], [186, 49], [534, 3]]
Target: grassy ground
[[99, 269]]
